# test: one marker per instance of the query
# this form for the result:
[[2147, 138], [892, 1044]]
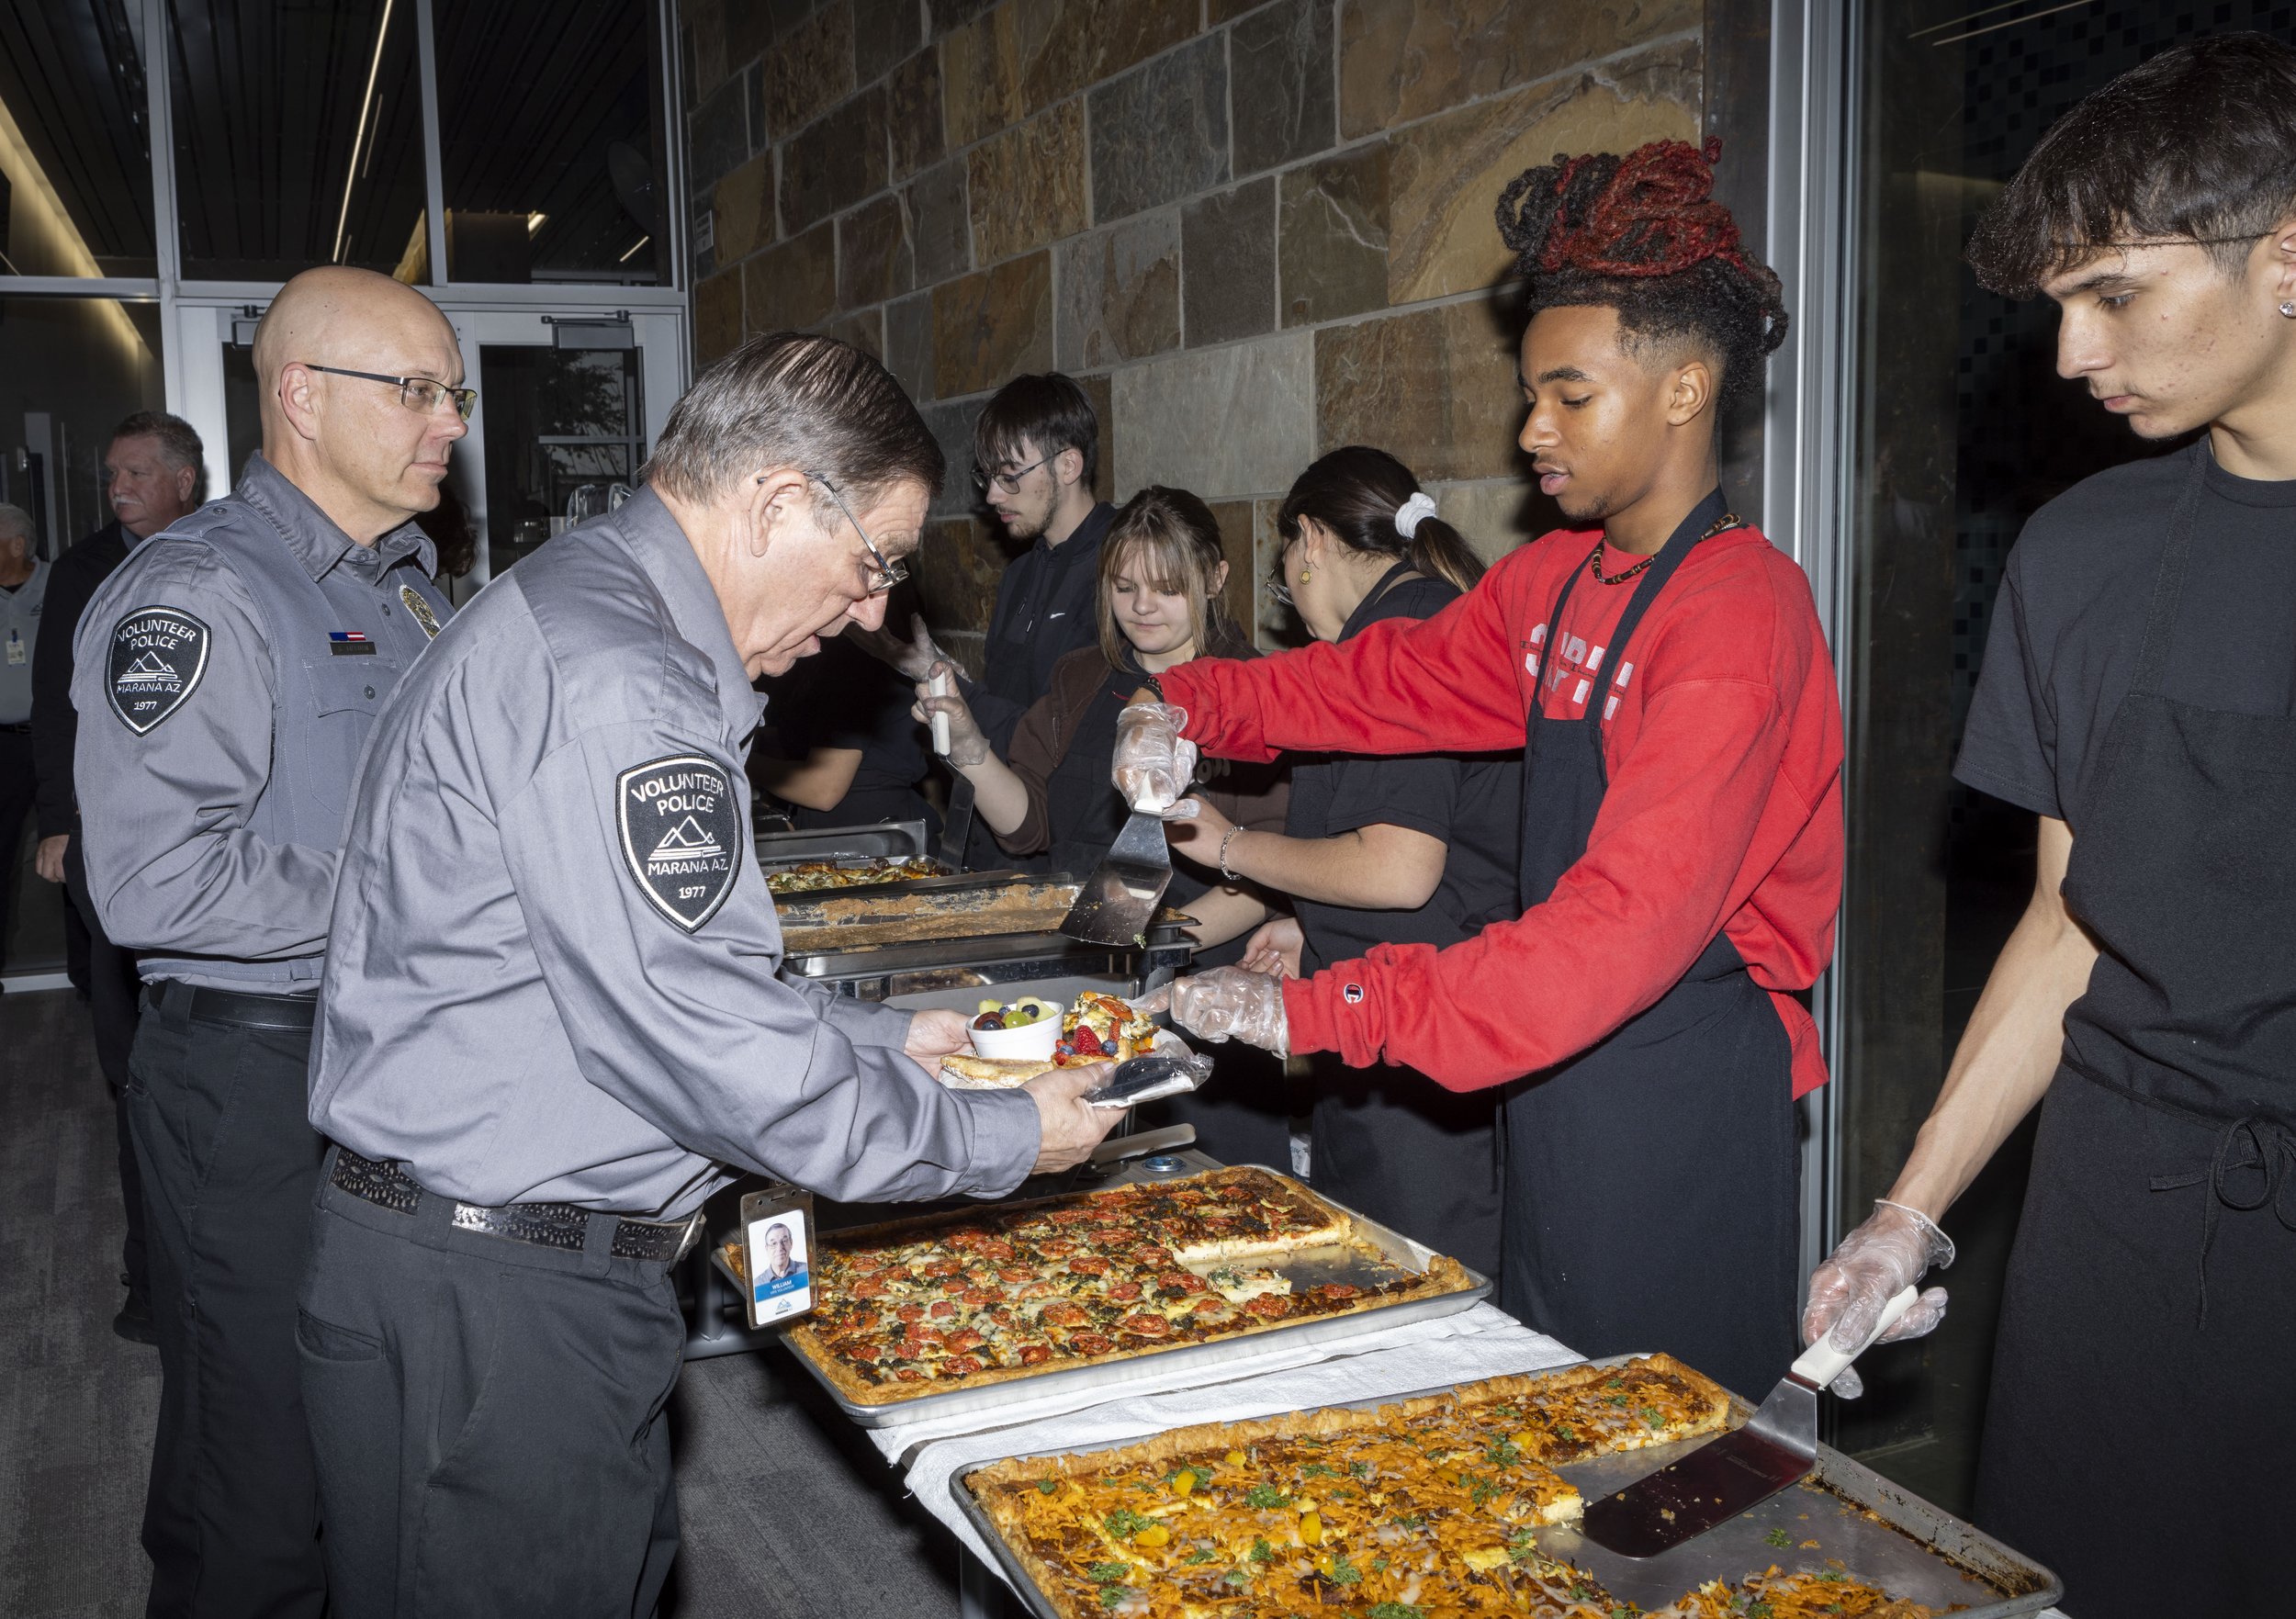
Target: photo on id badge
[[779, 1240]]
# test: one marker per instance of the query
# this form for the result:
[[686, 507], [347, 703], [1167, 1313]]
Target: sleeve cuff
[[1006, 1136], [1307, 1019]]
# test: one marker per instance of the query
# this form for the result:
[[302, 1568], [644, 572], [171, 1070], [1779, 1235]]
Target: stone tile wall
[[1254, 232]]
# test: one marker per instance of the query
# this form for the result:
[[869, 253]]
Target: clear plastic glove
[[1228, 1003], [913, 657], [1875, 1264], [1154, 763], [968, 744]]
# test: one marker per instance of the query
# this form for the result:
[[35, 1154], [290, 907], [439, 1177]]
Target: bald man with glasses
[[227, 676]]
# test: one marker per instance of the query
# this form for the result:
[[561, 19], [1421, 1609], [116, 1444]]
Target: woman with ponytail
[[1413, 850], [1661, 665]]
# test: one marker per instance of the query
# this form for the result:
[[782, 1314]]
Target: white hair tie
[[1407, 516]]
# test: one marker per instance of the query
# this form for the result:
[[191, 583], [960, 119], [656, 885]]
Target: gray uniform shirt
[[554, 975], [226, 676], [19, 631]]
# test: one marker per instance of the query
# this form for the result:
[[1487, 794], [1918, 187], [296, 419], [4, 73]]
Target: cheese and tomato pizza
[[986, 1296], [1424, 1507]]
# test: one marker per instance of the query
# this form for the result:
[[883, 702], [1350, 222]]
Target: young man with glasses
[[226, 677], [1036, 449], [554, 1023]]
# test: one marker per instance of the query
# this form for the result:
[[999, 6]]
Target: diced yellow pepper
[[1310, 1529], [1184, 1483], [1526, 1440], [1483, 1559], [1234, 1459], [1154, 1534]]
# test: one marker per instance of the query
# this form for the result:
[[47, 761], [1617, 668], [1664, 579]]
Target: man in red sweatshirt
[[1663, 667]]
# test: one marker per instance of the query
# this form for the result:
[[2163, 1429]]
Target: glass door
[[569, 404]]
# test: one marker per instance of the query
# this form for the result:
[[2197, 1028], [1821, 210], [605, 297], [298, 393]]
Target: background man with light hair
[[153, 472]]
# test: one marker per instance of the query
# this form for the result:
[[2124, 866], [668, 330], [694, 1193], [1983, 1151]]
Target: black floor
[[788, 1512]]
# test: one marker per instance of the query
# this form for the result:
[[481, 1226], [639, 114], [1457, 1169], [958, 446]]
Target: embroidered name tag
[[158, 655], [420, 609], [350, 643], [680, 828]]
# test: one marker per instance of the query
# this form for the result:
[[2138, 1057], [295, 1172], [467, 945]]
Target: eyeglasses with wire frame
[[883, 573], [1008, 479], [417, 393]]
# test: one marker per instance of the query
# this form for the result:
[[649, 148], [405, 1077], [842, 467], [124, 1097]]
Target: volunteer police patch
[[420, 609], [681, 827], [158, 655]]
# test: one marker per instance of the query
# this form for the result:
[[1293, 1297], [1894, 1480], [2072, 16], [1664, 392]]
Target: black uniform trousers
[[16, 784], [113, 998], [488, 1415], [216, 1111]]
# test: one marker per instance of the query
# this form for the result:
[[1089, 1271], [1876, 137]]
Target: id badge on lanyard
[[777, 1237]]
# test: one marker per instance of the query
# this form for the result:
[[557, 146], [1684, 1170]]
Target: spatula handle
[[942, 687], [1821, 1363]]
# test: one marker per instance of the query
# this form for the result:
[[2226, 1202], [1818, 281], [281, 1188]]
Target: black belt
[[21, 729], [295, 1014], [544, 1225]]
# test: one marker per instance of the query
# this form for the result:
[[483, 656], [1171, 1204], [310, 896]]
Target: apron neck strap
[[2160, 621], [1698, 525]]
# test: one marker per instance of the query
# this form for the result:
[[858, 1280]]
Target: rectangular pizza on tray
[[1428, 1507], [983, 1297]]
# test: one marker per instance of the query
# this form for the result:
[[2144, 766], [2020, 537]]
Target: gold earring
[[1306, 573]]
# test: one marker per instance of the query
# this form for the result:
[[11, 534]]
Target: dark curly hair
[[2199, 142], [1642, 235]]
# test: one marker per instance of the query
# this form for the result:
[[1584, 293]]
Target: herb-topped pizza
[[815, 876], [926, 1306], [1428, 1507]]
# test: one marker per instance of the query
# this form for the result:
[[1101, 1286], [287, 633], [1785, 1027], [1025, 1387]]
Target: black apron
[[1387, 1140], [2140, 1432], [1653, 1180]]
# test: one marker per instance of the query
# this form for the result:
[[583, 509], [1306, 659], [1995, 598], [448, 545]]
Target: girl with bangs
[[1161, 572]]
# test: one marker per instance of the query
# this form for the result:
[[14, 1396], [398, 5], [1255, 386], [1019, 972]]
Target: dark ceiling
[[268, 106]]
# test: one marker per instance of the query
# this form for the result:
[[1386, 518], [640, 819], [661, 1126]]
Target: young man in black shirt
[[2139, 695], [1035, 452]]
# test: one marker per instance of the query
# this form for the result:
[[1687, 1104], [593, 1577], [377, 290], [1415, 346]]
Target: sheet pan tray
[[1309, 1267], [1878, 1532]]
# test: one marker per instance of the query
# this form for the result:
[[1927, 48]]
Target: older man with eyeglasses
[[556, 1020], [227, 676]]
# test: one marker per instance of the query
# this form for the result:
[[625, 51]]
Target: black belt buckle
[[561, 1226]]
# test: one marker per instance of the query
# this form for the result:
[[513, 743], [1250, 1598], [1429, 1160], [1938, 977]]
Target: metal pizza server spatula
[[1120, 899], [1736, 1472]]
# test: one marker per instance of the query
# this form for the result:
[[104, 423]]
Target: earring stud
[[2288, 307]]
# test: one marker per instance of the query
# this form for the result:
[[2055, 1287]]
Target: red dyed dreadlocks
[[1642, 235]]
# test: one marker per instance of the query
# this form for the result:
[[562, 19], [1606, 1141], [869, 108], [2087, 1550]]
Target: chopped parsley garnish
[[1379, 1565], [1758, 1611], [1202, 1554], [1619, 1400], [1411, 1521], [1101, 1573], [1345, 1573], [1360, 1469], [1262, 1552], [1831, 1576], [1395, 1611], [1780, 1538], [1237, 1578], [1263, 1495], [1317, 1470], [1116, 1596], [1582, 1593], [1651, 1415], [1480, 1489], [1614, 1383], [1124, 1522], [1048, 1487], [1563, 1433], [1503, 1452], [1521, 1547]]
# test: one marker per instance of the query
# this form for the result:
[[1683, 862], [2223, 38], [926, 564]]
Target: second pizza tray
[[1309, 1269], [1881, 1533]]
